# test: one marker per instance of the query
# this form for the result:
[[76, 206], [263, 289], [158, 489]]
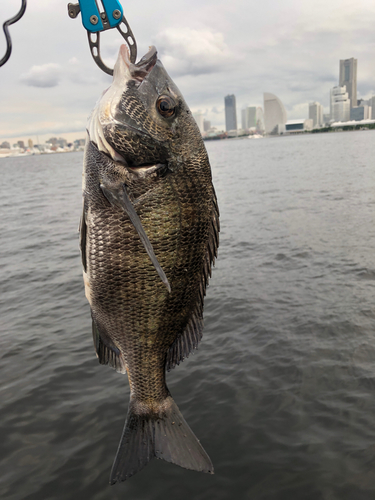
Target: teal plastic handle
[[91, 18]]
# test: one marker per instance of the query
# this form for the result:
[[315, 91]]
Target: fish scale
[[149, 236]]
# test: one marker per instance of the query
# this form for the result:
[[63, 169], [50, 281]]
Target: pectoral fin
[[116, 194], [82, 238]]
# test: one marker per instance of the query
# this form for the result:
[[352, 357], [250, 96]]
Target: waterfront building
[[5, 145], [274, 114], [198, 117], [297, 126], [206, 125], [78, 143], [348, 77], [362, 112], [259, 120], [316, 113], [230, 113], [252, 117], [340, 104], [372, 105], [248, 117]]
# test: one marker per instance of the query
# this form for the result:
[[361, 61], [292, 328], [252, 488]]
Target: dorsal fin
[[185, 343]]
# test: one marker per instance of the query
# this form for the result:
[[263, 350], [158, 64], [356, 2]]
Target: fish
[[149, 236]]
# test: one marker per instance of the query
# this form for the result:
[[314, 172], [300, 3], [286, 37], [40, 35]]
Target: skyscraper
[[206, 125], [316, 113], [348, 77], [340, 104], [230, 113], [252, 117], [248, 116], [274, 113], [198, 117], [372, 104]]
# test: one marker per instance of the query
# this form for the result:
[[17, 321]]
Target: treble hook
[[95, 22], [13, 20]]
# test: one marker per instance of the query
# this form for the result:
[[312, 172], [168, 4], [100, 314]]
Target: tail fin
[[164, 435]]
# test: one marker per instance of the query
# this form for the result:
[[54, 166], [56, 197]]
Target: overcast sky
[[210, 48]]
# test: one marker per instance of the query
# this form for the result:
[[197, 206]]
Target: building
[[248, 117], [360, 113], [206, 125], [259, 120], [274, 114], [230, 113], [348, 77], [340, 104], [245, 119], [316, 113], [78, 143], [5, 145], [372, 106], [252, 117], [198, 117], [297, 126]]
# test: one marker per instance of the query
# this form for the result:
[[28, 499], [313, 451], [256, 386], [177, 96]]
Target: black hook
[[13, 20]]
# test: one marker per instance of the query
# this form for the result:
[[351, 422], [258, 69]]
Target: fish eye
[[166, 106]]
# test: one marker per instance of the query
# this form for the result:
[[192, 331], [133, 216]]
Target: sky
[[210, 48]]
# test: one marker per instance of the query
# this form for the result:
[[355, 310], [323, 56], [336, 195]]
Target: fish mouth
[[105, 113], [139, 71]]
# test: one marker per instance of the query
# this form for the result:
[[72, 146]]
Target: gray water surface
[[281, 391]]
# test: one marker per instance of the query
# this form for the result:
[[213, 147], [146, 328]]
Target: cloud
[[190, 51], [86, 73], [298, 111], [45, 75]]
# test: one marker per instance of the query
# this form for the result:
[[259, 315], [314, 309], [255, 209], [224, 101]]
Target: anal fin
[[107, 352]]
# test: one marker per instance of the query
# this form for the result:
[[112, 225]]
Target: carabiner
[[95, 21]]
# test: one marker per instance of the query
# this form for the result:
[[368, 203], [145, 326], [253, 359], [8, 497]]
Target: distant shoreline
[[344, 128]]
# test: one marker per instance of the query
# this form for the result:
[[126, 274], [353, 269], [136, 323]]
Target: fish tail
[[162, 434]]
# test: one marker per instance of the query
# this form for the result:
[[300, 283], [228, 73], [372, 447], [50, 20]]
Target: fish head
[[143, 118]]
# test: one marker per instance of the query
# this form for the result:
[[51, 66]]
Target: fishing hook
[[13, 20]]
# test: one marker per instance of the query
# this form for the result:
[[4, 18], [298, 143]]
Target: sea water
[[281, 391]]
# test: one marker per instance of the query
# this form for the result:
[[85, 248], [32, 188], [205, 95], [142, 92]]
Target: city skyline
[[50, 86], [274, 117], [344, 107], [340, 109]]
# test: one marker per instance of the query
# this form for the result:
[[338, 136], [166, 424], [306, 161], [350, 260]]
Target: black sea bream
[[149, 236]]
